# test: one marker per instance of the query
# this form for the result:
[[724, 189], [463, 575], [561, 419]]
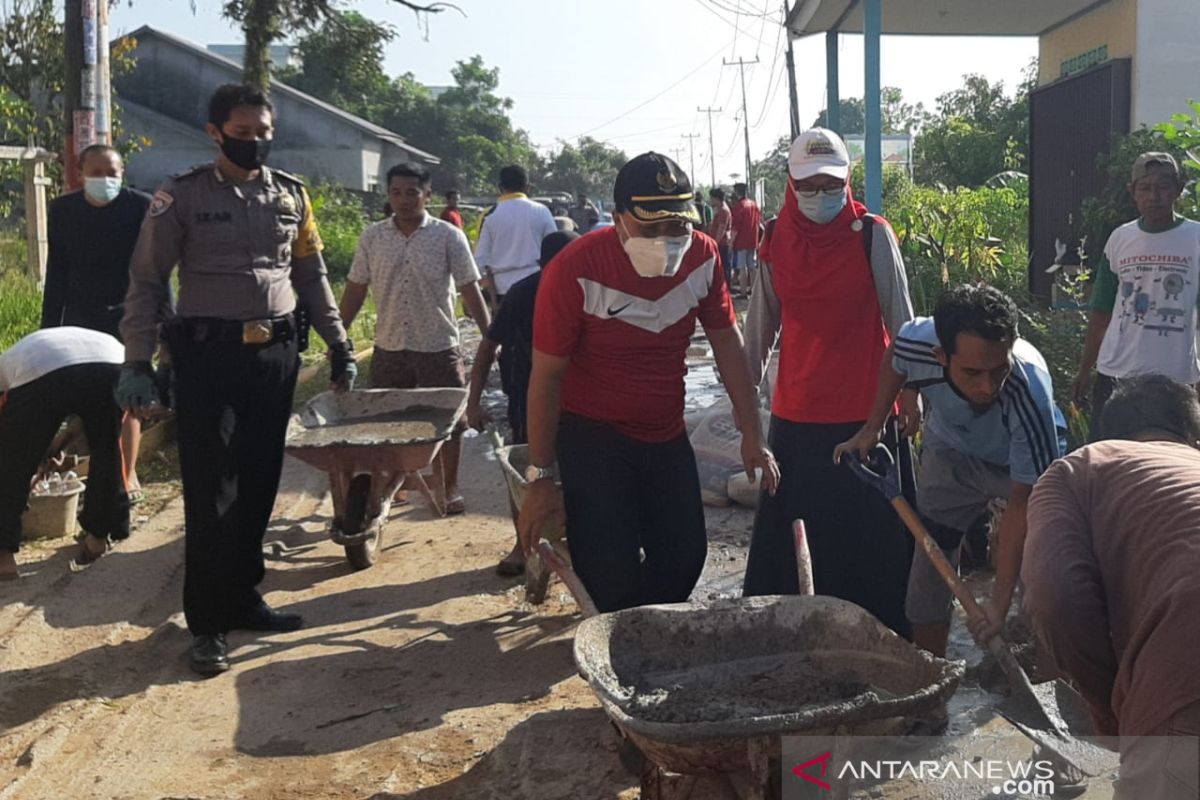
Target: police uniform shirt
[[245, 251]]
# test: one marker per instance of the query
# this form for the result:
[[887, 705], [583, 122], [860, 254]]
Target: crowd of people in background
[[591, 324]]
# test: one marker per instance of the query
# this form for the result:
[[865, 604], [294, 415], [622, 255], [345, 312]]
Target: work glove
[[343, 371], [135, 387]]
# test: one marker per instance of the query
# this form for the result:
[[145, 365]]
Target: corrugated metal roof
[[283, 89]]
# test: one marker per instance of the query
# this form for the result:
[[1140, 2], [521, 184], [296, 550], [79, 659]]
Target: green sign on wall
[[1084, 60]]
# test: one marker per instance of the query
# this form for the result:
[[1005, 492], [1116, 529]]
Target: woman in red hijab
[[834, 282]]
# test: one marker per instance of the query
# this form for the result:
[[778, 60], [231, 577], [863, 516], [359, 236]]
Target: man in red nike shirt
[[615, 315]]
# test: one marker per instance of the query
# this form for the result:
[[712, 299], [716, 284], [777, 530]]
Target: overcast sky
[[633, 72]]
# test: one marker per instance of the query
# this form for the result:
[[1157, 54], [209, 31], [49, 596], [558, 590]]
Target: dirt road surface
[[424, 677]]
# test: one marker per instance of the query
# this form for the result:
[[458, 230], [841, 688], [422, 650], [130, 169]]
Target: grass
[[20, 307]]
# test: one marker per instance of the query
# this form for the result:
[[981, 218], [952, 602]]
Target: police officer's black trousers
[[232, 402], [28, 422]]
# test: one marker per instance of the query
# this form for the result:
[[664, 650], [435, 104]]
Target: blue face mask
[[102, 190], [822, 208]]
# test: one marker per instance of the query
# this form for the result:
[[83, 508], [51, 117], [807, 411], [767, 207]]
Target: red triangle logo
[[800, 770]]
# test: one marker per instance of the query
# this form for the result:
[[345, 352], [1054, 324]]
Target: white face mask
[[658, 257], [822, 208], [102, 190]]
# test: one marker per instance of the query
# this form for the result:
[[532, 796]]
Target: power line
[[692, 137], [732, 142], [770, 73], [647, 102], [672, 127], [711, 151], [741, 64], [738, 10], [772, 92]]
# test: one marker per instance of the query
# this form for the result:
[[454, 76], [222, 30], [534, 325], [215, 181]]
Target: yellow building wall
[[1113, 24]]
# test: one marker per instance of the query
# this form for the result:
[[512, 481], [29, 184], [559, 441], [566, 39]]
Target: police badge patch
[[287, 203], [162, 201]]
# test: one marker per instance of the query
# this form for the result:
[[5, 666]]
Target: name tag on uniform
[[214, 216]]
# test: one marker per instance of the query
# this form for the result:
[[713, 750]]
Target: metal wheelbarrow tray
[[370, 443], [708, 689]]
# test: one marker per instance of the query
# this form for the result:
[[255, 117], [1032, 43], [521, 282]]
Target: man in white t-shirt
[[1143, 307], [44, 378], [510, 237], [413, 264]]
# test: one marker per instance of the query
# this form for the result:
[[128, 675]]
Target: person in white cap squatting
[[833, 282]]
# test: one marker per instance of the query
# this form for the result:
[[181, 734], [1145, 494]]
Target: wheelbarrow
[[513, 460], [371, 443], [706, 691]]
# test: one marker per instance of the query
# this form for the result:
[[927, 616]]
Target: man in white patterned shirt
[[413, 264]]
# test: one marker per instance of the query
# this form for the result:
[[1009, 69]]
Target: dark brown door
[[1072, 121]]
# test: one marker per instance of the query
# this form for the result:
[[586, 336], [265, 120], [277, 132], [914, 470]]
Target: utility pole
[[741, 65], [793, 97], [85, 88], [691, 137], [678, 153], [712, 153]]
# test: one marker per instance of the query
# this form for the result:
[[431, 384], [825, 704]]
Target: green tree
[[897, 116], [468, 126], [32, 71], [977, 132], [32, 66], [343, 64], [264, 21], [588, 166]]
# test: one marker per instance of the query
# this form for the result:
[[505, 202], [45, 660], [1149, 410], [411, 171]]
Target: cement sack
[[717, 444], [742, 490]]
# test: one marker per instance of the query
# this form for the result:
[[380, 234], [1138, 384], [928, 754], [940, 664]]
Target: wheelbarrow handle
[[494, 434]]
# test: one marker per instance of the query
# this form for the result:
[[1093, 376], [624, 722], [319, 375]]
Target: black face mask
[[249, 154]]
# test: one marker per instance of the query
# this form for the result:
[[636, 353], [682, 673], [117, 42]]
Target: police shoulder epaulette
[[190, 172], [287, 176]]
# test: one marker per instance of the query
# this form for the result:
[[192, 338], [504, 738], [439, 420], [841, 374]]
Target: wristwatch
[[533, 473]]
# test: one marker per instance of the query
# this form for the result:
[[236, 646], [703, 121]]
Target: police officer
[[247, 247]]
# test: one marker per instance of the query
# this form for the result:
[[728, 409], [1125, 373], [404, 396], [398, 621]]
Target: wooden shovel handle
[[927, 543]]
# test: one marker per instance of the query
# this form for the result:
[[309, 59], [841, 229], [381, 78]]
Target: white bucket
[[51, 515]]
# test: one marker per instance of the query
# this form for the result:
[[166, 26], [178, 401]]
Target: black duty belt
[[252, 332]]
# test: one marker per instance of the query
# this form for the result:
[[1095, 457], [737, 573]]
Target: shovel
[[1035, 712]]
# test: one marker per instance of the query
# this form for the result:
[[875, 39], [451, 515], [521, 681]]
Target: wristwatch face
[[533, 473]]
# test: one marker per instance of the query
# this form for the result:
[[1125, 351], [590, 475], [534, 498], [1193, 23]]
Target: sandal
[[86, 555], [455, 505]]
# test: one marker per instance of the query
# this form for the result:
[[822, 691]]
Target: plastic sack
[[717, 444]]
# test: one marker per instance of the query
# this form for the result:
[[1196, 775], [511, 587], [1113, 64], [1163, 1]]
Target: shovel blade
[[1055, 716]]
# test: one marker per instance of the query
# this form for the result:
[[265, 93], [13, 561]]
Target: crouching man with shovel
[[1112, 581], [991, 431]]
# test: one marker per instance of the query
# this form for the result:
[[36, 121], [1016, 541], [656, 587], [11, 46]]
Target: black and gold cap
[[653, 188]]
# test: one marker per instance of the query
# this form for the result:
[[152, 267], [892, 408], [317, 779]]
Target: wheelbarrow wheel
[[362, 555]]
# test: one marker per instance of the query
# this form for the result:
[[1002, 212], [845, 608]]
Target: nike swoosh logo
[[612, 312]]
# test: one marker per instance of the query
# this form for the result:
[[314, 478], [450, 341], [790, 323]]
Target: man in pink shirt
[[1112, 581]]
